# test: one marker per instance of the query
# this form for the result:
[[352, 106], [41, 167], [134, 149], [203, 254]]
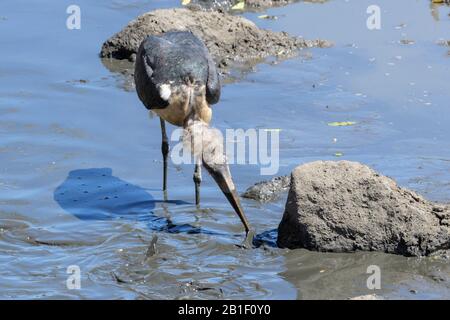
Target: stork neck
[[193, 121], [197, 105]]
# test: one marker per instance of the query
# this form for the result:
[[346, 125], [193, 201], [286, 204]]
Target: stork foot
[[248, 241]]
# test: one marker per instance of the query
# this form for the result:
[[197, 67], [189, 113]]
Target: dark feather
[[177, 57]]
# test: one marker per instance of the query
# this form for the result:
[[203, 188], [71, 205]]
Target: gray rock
[[235, 43], [268, 190], [224, 5], [228, 4], [346, 206], [229, 38], [267, 3]]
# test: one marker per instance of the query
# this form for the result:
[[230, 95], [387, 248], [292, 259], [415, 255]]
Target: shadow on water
[[95, 194], [266, 238]]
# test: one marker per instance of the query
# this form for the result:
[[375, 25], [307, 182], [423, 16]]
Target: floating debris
[[407, 42], [152, 250], [267, 17], [117, 278], [367, 297], [341, 124]]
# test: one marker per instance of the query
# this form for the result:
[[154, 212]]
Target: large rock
[[346, 206], [229, 38]]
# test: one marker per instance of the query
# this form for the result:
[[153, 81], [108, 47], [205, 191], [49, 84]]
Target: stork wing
[[213, 82], [146, 86]]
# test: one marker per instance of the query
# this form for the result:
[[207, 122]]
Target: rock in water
[[235, 43], [268, 190], [346, 206], [229, 38]]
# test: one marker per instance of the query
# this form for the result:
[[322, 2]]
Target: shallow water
[[81, 166]]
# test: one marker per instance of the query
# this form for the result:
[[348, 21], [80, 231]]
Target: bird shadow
[[96, 194], [267, 238]]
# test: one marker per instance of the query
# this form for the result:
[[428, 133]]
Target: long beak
[[221, 174]]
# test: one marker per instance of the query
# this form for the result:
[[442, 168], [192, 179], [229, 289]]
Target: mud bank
[[346, 206], [230, 39]]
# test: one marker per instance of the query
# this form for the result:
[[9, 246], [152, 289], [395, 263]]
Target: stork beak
[[221, 174]]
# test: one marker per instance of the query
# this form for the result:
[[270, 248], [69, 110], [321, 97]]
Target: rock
[[267, 3], [346, 206], [221, 5], [268, 190], [228, 4], [264, 4], [441, 255], [229, 38]]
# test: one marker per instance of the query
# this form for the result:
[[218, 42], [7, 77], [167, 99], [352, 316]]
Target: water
[[81, 166]]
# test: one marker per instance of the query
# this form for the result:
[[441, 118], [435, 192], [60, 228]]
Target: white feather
[[165, 92]]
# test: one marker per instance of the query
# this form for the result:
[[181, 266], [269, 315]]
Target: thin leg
[[197, 181], [165, 152]]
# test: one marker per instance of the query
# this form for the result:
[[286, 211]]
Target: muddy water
[[81, 172]]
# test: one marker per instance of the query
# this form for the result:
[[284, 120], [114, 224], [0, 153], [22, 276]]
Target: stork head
[[206, 144]]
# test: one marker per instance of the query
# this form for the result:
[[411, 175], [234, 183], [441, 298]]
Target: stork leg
[[197, 181], [165, 152]]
